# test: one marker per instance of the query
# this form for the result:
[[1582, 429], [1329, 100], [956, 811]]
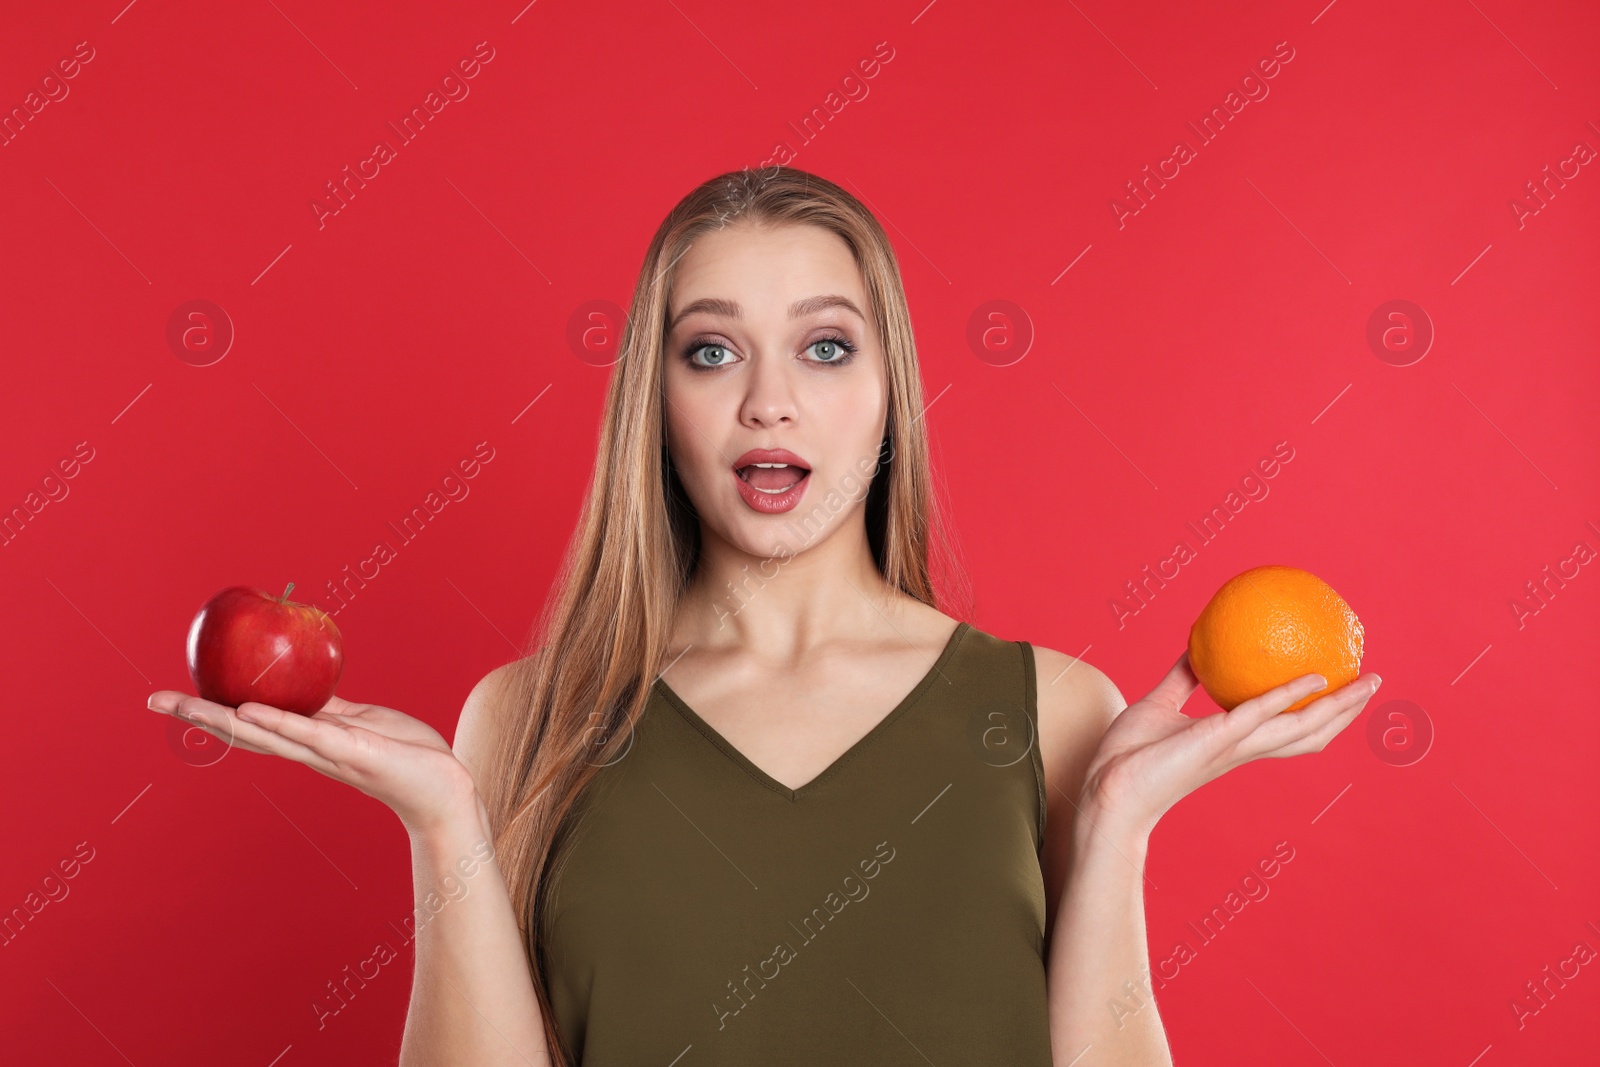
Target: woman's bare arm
[[1102, 1013], [1150, 756], [1102, 1009], [472, 998]]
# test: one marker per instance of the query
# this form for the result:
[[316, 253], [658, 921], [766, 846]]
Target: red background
[[1228, 315]]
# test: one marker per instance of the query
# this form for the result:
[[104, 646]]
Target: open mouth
[[772, 478]]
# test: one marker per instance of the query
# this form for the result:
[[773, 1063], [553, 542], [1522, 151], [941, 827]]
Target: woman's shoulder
[[1063, 678], [1076, 703], [480, 728]]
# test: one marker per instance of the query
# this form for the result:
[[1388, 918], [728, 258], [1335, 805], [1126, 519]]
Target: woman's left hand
[[1153, 755]]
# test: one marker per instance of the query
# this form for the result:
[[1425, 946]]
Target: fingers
[[381, 720], [1318, 739], [257, 727], [203, 714], [1312, 727], [164, 700], [219, 732], [1248, 717], [325, 737], [346, 749], [1351, 700], [224, 724], [337, 705], [1175, 689]]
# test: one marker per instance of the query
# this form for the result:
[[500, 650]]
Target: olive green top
[[888, 912]]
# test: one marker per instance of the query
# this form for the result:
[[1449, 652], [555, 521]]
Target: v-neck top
[[889, 911]]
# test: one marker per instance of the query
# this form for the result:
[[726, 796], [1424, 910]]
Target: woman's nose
[[769, 398]]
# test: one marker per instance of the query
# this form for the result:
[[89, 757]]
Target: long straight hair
[[569, 706]]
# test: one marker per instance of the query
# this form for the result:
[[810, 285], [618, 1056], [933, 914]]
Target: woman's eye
[[830, 350], [715, 355]]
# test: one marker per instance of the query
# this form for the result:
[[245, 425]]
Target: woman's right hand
[[390, 756]]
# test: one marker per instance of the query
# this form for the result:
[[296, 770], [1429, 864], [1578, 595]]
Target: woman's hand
[[1153, 755], [389, 756]]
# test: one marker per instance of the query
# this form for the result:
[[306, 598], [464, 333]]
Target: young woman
[[753, 797]]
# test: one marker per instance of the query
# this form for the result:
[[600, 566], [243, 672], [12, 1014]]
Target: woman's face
[[770, 359]]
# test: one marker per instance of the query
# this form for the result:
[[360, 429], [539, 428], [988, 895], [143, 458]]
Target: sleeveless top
[[890, 911]]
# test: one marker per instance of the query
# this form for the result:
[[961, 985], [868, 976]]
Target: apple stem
[[286, 593]]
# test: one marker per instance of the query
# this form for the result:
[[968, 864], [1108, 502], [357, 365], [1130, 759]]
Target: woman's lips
[[771, 488], [772, 478]]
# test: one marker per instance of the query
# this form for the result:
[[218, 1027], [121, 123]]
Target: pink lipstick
[[771, 480]]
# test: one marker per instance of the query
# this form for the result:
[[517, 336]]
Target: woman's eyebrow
[[729, 309]]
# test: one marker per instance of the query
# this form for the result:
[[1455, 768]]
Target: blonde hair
[[602, 635]]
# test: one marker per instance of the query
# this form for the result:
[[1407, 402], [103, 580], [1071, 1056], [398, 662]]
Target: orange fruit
[[1268, 626]]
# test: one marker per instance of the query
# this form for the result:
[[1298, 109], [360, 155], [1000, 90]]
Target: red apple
[[245, 644]]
